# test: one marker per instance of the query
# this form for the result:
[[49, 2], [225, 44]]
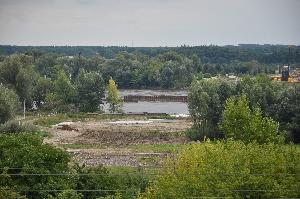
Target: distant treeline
[[265, 54]]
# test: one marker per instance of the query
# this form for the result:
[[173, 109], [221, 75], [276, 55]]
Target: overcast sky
[[149, 22]]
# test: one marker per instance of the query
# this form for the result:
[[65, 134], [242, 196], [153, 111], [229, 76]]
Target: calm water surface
[[154, 107]]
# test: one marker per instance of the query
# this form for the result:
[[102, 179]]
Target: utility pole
[[24, 109]]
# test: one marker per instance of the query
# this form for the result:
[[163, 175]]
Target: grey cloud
[[148, 22]]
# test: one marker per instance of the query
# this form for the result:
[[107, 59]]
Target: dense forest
[[265, 54], [160, 67]]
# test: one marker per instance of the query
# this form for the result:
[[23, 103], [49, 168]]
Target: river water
[[153, 107]]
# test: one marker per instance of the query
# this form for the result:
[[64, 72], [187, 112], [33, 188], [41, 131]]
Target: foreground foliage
[[26, 154], [31, 169], [230, 169], [241, 123]]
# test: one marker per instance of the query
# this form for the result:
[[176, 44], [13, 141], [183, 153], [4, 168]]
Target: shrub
[[26, 154], [17, 127], [7, 193], [206, 99], [241, 123], [96, 178], [230, 169], [202, 131], [69, 194], [9, 104]]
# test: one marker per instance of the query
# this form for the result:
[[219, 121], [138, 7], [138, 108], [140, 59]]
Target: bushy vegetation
[[36, 170], [17, 127], [264, 54], [9, 104], [241, 123], [207, 99], [113, 97], [251, 113], [8, 193], [230, 169], [26, 154]]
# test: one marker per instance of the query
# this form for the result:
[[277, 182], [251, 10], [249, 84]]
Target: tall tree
[[90, 90], [63, 88], [17, 72], [241, 123], [43, 87], [113, 97], [9, 104]]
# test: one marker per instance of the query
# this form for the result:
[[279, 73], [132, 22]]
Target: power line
[[77, 190], [145, 174], [115, 190]]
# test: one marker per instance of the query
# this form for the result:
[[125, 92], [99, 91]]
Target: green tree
[[260, 90], [28, 155], [17, 72], [63, 88], [69, 194], [206, 99], [113, 97], [53, 103], [90, 90], [43, 87], [96, 178], [286, 110], [9, 104], [167, 76], [230, 169], [8, 193], [241, 123]]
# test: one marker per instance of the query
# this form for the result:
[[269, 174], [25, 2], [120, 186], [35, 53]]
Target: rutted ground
[[115, 143]]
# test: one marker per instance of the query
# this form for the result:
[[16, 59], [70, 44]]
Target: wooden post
[[24, 109]]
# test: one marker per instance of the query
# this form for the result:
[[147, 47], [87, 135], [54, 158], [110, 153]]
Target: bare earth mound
[[108, 143]]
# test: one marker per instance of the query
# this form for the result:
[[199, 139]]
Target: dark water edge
[[153, 107]]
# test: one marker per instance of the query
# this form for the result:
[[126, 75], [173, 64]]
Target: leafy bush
[[230, 169], [96, 178], [69, 194], [9, 104], [7, 193], [115, 180], [26, 154], [17, 127], [206, 99], [241, 123], [202, 131], [133, 180]]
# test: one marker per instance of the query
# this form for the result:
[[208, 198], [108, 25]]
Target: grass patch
[[82, 146], [157, 148], [43, 134], [134, 180], [133, 171], [163, 116], [48, 121]]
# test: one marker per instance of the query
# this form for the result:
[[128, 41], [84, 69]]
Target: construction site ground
[[120, 142]]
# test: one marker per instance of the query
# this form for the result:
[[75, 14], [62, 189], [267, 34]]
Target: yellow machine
[[287, 75]]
